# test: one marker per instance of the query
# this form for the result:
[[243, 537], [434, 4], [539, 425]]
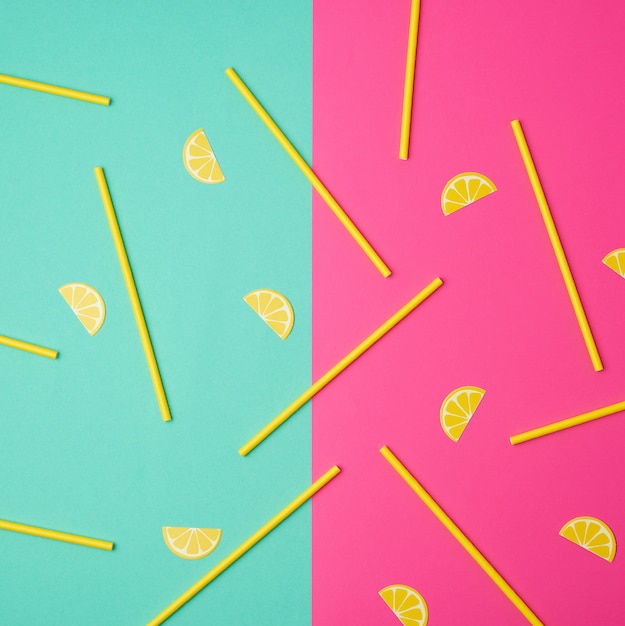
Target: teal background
[[82, 445]]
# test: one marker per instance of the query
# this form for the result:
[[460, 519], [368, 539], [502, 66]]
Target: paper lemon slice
[[86, 303], [592, 534], [191, 543], [465, 189], [407, 604], [616, 261], [199, 159], [458, 408], [274, 309]]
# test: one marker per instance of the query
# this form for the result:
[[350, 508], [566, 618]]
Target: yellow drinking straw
[[462, 539], [57, 535], [28, 347], [134, 296], [568, 423], [307, 171], [245, 546], [557, 246], [54, 90], [409, 79], [340, 366]]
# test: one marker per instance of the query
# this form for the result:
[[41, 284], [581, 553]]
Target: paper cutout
[[274, 309], [407, 603], [616, 261], [191, 543], [458, 408], [465, 189], [200, 160], [86, 303], [591, 534]]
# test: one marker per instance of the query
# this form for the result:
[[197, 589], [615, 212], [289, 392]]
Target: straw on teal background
[[82, 444]]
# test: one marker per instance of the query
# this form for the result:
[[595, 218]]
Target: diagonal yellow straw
[[57, 535], [568, 423], [28, 347], [307, 171], [462, 539], [340, 366], [411, 57], [557, 246], [54, 90], [134, 296], [263, 531]]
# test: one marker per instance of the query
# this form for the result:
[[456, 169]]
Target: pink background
[[502, 320]]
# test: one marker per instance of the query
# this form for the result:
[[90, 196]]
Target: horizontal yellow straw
[[340, 366], [462, 539], [411, 57], [307, 171], [237, 553], [568, 423], [28, 347], [57, 535], [134, 296], [54, 90], [557, 246]]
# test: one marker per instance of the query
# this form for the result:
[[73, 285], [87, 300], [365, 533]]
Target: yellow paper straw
[[462, 539], [411, 57], [307, 171], [568, 423], [57, 535], [557, 246], [28, 347], [340, 366], [134, 296], [237, 553], [54, 90]]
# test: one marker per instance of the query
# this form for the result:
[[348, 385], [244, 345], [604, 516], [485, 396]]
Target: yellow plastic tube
[[54, 90], [134, 296], [340, 366], [411, 57], [310, 175], [237, 553], [460, 537], [557, 246], [568, 423], [28, 347], [56, 535]]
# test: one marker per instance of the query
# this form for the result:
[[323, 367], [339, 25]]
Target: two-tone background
[[82, 444]]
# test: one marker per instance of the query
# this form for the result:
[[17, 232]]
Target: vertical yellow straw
[[460, 537], [132, 292], [332, 373], [54, 90], [557, 246], [411, 57], [307, 171], [245, 546], [568, 423], [28, 347], [56, 535]]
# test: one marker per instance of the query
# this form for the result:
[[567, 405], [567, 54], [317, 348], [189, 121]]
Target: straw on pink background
[[502, 320]]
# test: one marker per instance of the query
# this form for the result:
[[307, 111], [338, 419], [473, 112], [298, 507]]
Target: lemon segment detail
[[191, 543], [86, 303], [407, 603], [591, 534], [458, 408], [200, 161], [274, 309], [615, 260], [465, 189]]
